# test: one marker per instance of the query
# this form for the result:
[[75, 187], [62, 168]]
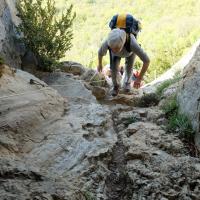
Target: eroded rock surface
[[63, 144], [60, 137], [157, 165]]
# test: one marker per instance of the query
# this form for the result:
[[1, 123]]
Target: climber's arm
[[102, 52], [136, 48]]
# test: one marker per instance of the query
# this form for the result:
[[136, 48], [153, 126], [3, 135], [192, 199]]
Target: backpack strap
[[110, 55], [113, 59], [127, 44]]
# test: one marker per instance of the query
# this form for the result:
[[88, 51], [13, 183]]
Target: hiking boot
[[115, 91], [127, 87]]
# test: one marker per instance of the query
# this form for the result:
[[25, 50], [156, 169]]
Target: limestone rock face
[[8, 21], [24, 107], [153, 157], [189, 93], [63, 144], [52, 137]]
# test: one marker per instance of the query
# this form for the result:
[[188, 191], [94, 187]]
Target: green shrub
[[180, 123], [46, 35]]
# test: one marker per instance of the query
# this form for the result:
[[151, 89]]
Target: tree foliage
[[44, 33]]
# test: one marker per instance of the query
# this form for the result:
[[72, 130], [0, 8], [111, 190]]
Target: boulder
[[72, 67], [93, 78], [98, 92], [130, 99], [189, 93], [29, 62]]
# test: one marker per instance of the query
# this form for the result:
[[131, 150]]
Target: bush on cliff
[[46, 35]]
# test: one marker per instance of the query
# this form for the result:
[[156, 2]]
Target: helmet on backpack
[[126, 22]]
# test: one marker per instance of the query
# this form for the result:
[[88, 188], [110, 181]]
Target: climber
[[121, 43]]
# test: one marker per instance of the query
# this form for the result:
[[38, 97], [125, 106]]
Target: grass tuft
[[178, 123]]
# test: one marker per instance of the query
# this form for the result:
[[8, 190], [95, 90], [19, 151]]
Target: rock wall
[[8, 20], [189, 93]]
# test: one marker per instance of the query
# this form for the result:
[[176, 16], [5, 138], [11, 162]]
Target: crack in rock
[[118, 184]]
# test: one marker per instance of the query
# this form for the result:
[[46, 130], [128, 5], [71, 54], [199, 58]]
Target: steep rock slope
[[70, 147], [48, 136]]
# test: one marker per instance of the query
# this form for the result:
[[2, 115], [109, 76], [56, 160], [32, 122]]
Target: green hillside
[[169, 28]]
